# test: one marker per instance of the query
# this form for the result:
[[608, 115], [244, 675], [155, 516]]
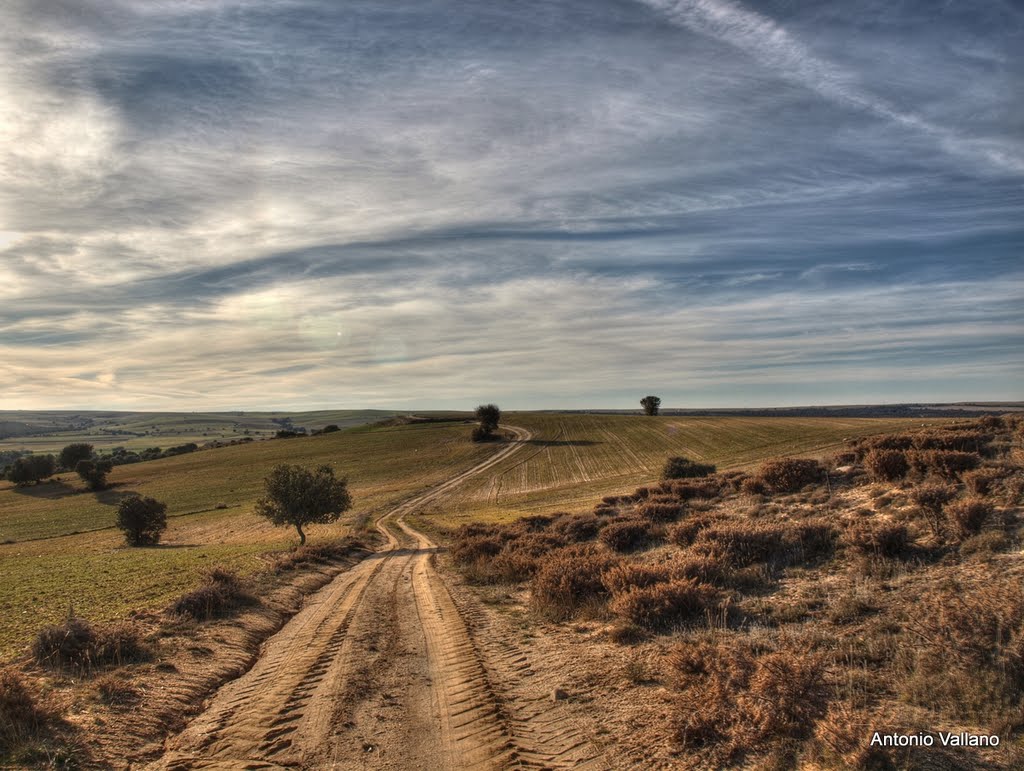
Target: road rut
[[381, 670]]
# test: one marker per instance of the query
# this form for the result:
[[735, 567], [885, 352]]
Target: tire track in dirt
[[379, 670]]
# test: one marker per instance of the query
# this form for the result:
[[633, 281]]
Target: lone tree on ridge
[[300, 496], [651, 405], [489, 415]]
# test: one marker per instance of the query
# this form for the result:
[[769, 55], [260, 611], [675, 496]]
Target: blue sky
[[291, 204]]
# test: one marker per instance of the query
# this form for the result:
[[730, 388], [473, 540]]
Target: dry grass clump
[[742, 544], [116, 691], [734, 701], [314, 554], [627, 535], [966, 654], [688, 491], [947, 464], [886, 465], [77, 643], [578, 528], [982, 481], [21, 717], [932, 499], [790, 475], [570, 581], [221, 594], [686, 532], [877, 539], [624, 576], [665, 605], [986, 544], [966, 516]]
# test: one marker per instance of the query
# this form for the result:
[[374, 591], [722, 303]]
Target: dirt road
[[381, 670]]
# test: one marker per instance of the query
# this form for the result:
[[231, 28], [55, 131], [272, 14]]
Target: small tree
[[73, 453], [299, 496], [489, 416], [32, 468], [651, 405], [94, 473], [143, 520]]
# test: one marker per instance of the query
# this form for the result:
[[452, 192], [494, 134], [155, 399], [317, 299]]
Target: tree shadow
[[51, 490], [111, 497], [562, 442]]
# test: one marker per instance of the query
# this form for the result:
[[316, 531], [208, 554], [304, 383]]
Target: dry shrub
[[886, 465], [686, 532], [789, 475], [744, 543], [966, 655], [877, 539], [116, 691], [624, 633], [981, 481], [630, 575], [665, 605], [314, 554], [20, 715], [947, 464], [532, 524], [688, 491], [679, 467], [967, 516], [470, 549], [733, 702], [569, 580], [844, 458], [956, 440], [932, 498], [222, 593], [626, 535], [706, 568], [582, 527], [985, 544], [654, 511], [888, 442], [753, 486], [69, 644], [119, 643]]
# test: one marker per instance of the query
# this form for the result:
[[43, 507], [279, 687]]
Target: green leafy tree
[[299, 496], [94, 473], [651, 405], [143, 520], [73, 453], [32, 468]]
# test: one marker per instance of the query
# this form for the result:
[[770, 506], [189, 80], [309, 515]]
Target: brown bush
[[886, 465], [578, 528], [706, 568], [982, 481], [888, 442], [687, 491], [948, 464], [467, 548], [788, 475], [569, 580], [877, 539], [630, 575], [931, 499], [21, 717], [314, 554], [626, 535], [116, 691], [222, 593], [121, 642], [666, 605], [69, 644], [753, 486], [684, 533], [967, 516], [958, 440], [745, 543], [660, 512]]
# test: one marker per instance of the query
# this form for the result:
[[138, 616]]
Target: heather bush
[[626, 535], [886, 465], [664, 605], [741, 544], [570, 580], [69, 644], [629, 575], [679, 467], [685, 533], [931, 499], [789, 475], [982, 481], [967, 516], [877, 539], [660, 512], [222, 593], [577, 528], [686, 491], [948, 464]]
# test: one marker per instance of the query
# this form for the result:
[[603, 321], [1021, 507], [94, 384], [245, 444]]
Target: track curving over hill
[[382, 670]]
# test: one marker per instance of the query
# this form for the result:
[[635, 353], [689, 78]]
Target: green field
[[63, 548], [66, 550], [574, 459], [41, 431]]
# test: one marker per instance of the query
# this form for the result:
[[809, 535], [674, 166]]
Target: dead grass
[[221, 594]]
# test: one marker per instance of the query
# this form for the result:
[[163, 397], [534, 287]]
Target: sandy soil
[[383, 668]]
